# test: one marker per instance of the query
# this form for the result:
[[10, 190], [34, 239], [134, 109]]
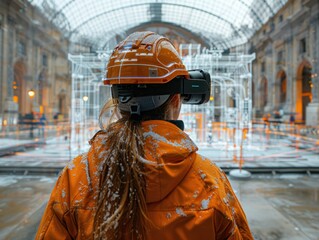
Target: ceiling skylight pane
[[231, 21]]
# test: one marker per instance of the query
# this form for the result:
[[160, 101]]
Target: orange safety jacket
[[188, 196]]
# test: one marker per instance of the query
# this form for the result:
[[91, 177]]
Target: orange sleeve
[[226, 228], [240, 229], [58, 220]]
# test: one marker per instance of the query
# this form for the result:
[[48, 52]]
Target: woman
[[142, 177]]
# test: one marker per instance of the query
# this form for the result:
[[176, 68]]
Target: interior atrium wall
[[33, 55], [287, 46]]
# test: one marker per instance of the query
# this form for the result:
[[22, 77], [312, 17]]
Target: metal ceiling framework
[[220, 23], [183, 32], [82, 24]]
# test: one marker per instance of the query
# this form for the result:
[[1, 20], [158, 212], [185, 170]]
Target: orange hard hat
[[144, 58]]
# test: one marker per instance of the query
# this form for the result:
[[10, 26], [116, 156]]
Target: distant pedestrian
[[43, 122], [266, 120], [292, 119], [31, 120], [55, 118], [277, 120]]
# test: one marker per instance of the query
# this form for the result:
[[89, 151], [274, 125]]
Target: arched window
[[264, 92], [306, 79], [283, 87], [306, 89], [62, 102], [253, 93], [42, 79], [18, 86]]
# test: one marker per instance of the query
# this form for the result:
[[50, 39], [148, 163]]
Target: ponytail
[[121, 211]]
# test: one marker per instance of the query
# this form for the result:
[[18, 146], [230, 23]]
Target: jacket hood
[[168, 155]]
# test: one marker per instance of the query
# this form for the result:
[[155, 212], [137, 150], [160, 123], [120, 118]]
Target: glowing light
[[15, 99], [85, 98], [31, 93]]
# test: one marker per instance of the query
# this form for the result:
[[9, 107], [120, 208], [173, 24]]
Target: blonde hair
[[121, 207]]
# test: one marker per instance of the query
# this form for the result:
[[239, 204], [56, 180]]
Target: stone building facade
[[286, 69], [33, 56]]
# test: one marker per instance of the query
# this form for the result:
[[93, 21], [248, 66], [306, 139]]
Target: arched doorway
[[42, 79], [264, 92], [253, 93], [231, 97], [282, 80], [19, 86], [304, 85], [62, 102]]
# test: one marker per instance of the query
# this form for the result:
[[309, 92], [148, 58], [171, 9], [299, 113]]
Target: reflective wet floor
[[281, 207], [277, 207], [22, 200]]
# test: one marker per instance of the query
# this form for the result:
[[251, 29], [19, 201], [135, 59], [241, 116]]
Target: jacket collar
[[170, 151], [178, 123]]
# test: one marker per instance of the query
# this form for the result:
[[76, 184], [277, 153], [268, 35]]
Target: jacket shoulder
[[75, 184], [214, 190], [220, 195]]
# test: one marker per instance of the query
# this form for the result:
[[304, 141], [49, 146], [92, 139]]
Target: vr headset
[[194, 90]]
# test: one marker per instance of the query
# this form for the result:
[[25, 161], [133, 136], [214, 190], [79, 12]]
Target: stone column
[[312, 111], [289, 106], [2, 91], [270, 77]]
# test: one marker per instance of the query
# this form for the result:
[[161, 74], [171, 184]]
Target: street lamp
[[31, 94]]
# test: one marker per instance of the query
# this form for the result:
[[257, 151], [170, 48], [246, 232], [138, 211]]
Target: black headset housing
[[194, 90]]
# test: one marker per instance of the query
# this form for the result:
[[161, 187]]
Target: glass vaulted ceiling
[[222, 23]]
